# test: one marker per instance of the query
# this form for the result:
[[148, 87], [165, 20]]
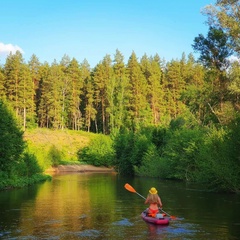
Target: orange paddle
[[131, 189]]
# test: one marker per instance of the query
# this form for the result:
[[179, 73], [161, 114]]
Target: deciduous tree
[[225, 14]]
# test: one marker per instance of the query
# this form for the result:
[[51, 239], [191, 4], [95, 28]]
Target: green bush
[[141, 145], [54, 155], [27, 166], [181, 152], [150, 165], [99, 152], [31, 164], [219, 159], [123, 145], [42, 154]]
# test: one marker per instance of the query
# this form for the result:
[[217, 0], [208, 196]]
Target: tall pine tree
[[139, 109], [103, 76], [88, 95], [34, 66], [12, 70], [26, 92], [121, 94]]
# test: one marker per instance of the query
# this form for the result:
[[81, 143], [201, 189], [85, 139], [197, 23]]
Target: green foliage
[[185, 152], [219, 159], [42, 155], [234, 86], [139, 110], [11, 139], [123, 145], [75, 81], [27, 166], [8, 183], [55, 155], [159, 137], [31, 164], [99, 152], [135, 151], [214, 49], [114, 95], [141, 145], [150, 164], [181, 150], [17, 166], [225, 14]]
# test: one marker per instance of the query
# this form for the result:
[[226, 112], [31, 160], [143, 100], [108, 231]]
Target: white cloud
[[234, 59], [5, 49]]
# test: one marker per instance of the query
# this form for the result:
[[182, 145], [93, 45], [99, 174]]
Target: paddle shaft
[[140, 195], [165, 213]]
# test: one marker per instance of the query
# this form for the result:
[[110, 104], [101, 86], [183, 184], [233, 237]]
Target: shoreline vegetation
[[51, 152], [177, 120], [179, 152]]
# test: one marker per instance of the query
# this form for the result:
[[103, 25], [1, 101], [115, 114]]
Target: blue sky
[[91, 29]]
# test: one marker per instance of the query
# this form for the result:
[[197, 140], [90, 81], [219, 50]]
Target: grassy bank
[[53, 147]]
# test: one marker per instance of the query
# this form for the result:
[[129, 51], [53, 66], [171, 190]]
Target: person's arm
[[146, 201], [160, 202]]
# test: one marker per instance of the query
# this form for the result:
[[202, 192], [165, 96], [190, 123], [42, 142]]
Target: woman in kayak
[[154, 202]]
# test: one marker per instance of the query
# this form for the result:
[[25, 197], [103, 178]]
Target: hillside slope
[[56, 146]]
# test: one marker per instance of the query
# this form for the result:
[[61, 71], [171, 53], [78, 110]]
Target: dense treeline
[[114, 95], [102, 99], [142, 92]]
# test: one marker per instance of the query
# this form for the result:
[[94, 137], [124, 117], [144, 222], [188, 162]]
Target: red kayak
[[160, 219]]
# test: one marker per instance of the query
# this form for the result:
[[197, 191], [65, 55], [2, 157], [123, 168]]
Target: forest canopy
[[114, 95]]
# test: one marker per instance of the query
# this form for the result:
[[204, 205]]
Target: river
[[97, 206]]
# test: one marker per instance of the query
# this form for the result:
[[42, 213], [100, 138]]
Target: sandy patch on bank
[[79, 168]]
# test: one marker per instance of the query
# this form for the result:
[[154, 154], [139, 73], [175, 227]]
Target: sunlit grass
[[65, 143]]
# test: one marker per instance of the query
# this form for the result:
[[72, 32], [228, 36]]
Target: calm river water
[[97, 206]]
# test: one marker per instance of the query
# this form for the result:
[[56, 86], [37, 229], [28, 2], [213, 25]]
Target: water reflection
[[96, 206]]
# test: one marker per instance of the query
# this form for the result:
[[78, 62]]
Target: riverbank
[[78, 168]]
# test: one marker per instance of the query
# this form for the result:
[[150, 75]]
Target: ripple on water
[[4, 233], [123, 222], [88, 233], [186, 230]]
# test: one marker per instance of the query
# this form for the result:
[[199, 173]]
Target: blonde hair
[[152, 198]]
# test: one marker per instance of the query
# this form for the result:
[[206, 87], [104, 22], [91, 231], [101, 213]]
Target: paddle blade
[[172, 217], [129, 188]]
